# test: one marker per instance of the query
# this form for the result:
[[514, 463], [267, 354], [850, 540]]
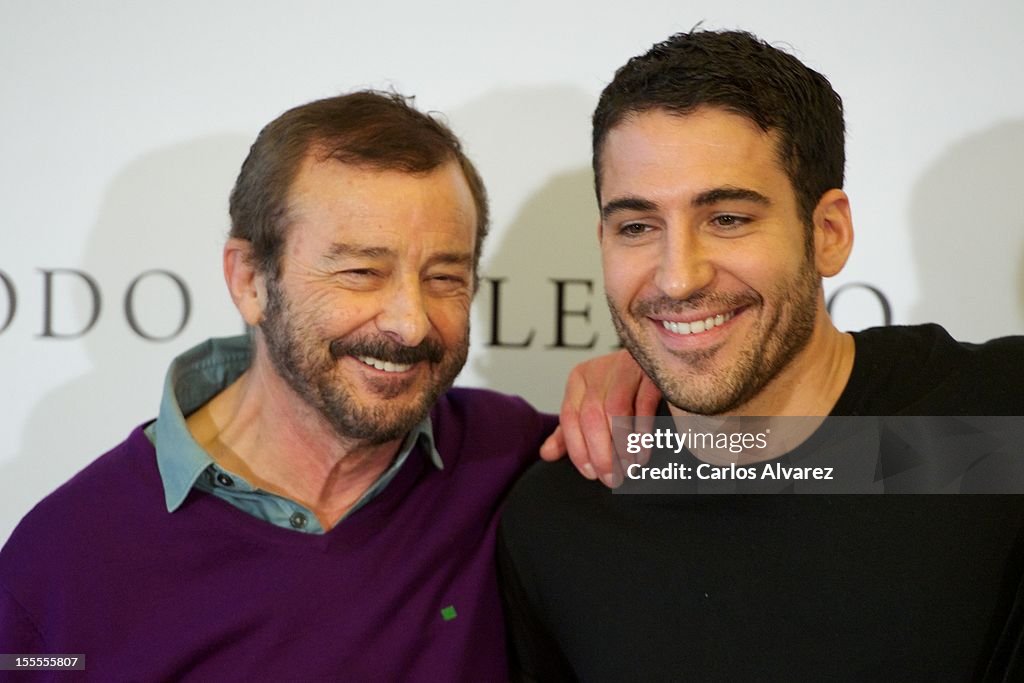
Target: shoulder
[[933, 341], [552, 496], [485, 418], [922, 370], [113, 485], [558, 481], [477, 402]]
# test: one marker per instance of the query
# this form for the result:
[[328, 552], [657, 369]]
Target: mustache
[[384, 349], [661, 305]]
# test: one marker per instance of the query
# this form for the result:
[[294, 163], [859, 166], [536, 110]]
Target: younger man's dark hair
[[737, 72]]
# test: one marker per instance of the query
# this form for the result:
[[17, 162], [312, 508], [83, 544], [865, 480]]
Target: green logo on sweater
[[448, 613]]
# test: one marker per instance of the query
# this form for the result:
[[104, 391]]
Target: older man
[[719, 166], [313, 502]]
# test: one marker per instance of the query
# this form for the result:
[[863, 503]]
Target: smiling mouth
[[698, 326], [386, 366]]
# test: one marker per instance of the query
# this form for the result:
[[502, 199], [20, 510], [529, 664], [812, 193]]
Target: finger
[[598, 439], [647, 399], [569, 424], [621, 401], [618, 412], [553, 447], [643, 424]]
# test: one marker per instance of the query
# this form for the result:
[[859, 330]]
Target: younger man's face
[[708, 272]]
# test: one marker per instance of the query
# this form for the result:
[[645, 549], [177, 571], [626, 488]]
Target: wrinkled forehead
[[331, 196]]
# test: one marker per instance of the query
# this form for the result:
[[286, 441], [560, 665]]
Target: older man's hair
[[369, 129]]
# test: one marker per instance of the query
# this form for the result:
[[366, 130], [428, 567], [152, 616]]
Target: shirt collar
[[194, 378]]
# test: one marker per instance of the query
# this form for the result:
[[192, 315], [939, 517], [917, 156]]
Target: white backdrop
[[123, 126]]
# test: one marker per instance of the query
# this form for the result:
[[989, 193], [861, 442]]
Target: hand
[[609, 386]]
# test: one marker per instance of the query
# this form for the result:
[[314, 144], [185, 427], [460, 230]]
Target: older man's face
[[369, 320]]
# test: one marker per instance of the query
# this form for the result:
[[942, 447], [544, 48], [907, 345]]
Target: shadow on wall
[[540, 309], [166, 211], [546, 275], [968, 236]]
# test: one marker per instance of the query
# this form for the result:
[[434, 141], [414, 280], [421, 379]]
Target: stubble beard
[[767, 351], [309, 365]]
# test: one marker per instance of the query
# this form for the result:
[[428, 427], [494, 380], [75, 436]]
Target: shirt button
[[224, 480], [298, 521]]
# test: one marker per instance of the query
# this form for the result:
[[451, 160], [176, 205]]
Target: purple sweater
[[209, 593]]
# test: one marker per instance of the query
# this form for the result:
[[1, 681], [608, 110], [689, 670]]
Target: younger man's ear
[[246, 285], [833, 232]]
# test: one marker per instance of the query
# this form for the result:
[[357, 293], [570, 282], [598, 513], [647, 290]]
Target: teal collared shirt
[[194, 378]]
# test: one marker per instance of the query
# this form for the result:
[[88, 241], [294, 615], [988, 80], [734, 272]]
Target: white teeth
[[384, 365], [697, 326]]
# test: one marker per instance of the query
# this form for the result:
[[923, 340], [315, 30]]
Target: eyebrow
[[344, 249], [706, 198], [723, 194], [627, 204], [340, 249], [454, 258]]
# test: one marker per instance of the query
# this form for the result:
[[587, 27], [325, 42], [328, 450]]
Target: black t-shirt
[[606, 587]]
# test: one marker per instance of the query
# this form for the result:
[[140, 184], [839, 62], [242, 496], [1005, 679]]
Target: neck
[[809, 386], [260, 429]]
